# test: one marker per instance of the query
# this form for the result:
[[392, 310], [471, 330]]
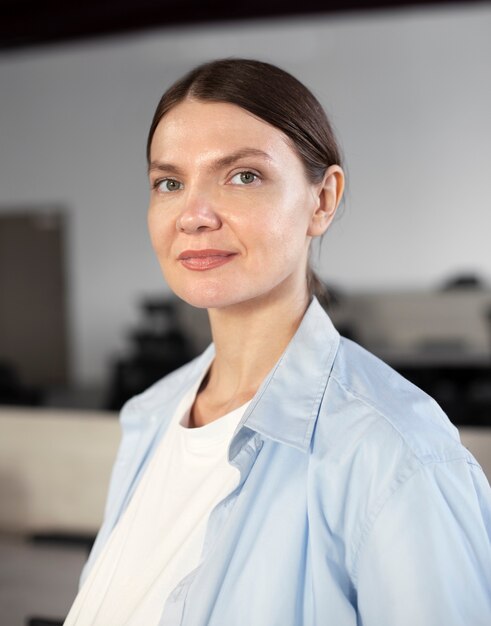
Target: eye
[[165, 185], [244, 178]]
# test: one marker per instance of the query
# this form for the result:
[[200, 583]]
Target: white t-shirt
[[160, 536]]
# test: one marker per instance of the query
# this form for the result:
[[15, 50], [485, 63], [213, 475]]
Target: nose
[[198, 215]]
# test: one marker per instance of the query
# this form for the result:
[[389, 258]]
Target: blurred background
[[86, 319]]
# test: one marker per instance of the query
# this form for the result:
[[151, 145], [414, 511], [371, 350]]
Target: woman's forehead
[[208, 118], [216, 126]]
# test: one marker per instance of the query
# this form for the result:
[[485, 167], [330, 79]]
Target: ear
[[328, 194]]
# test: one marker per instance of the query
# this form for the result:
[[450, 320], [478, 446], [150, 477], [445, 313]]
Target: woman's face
[[231, 210]]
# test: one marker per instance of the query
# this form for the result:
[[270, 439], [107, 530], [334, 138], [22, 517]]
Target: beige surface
[[54, 468], [421, 325]]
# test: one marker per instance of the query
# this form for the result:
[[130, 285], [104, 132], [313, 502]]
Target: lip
[[201, 260]]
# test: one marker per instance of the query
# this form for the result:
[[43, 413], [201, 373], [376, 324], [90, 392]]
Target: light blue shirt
[[357, 504]]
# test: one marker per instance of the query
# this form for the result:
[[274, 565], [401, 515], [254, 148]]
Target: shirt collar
[[286, 406]]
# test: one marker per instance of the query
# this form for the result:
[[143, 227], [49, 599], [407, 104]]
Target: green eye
[[247, 177], [169, 184], [244, 178]]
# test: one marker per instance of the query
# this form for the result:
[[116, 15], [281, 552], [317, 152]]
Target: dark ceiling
[[26, 23]]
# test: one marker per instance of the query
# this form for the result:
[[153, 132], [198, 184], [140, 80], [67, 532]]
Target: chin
[[239, 301], [208, 298], [220, 293]]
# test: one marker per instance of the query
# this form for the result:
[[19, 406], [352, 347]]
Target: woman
[[286, 476]]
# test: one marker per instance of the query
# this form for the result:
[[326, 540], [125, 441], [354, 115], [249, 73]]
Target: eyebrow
[[224, 161]]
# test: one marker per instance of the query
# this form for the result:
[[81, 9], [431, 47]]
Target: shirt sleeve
[[425, 560]]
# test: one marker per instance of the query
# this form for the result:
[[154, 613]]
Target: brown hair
[[272, 95]]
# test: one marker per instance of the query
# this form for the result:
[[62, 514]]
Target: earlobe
[[329, 194]]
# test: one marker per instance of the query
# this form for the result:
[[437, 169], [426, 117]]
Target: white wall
[[409, 93]]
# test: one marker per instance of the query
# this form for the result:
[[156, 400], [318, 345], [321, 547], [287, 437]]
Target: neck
[[249, 338]]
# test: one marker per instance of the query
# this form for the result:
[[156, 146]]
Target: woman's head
[[268, 97]]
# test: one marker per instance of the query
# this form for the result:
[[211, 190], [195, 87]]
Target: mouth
[[201, 260]]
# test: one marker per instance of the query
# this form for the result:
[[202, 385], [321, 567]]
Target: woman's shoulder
[[380, 440], [387, 408], [375, 431]]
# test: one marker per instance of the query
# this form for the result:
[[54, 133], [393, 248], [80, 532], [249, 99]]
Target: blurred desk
[[461, 386], [54, 469]]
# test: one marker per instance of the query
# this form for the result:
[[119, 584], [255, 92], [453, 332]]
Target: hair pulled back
[[272, 95]]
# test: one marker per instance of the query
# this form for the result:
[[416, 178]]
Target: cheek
[[158, 230], [287, 224]]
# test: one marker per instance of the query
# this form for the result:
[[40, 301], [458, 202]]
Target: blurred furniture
[[13, 391], [54, 470], [33, 306], [157, 346]]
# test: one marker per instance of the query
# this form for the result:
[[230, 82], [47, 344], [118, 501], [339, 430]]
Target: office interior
[[86, 319]]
